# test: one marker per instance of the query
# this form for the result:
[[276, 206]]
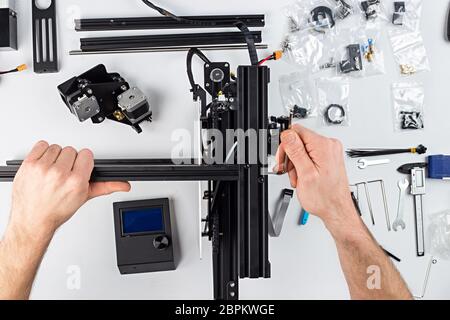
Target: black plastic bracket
[[45, 49]]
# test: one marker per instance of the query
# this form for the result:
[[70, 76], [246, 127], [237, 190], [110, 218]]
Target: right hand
[[317, 170]]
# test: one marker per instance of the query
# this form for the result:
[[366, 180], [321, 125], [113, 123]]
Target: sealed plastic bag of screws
[[315, 16], [303, 50], [409, 52], [333, 95], [439, 235], [408, 106], [299, 96], [405, 14]]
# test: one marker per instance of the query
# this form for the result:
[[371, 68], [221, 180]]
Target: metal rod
[[167, 49], [189, 39], [385, 203], [432, 262], [142, 23]]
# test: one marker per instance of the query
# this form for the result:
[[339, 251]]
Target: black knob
[[161, 242]]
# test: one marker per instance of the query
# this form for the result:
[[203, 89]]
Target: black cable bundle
[[240, 25], [362, 153]]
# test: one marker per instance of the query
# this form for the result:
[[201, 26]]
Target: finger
[[280, 159], [37, 152], [98, 189], [295, 150], [84, 164], [50, 156], [66, 159], [293, 177], [306, 134]]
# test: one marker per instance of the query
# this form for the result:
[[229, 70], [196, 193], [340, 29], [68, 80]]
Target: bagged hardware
[[299, 96], [304, 50], [373, 11], [439, 233], [362, 55], [409, 52], [333, 95], [372, 52], [315, 16], [404, 14], [408, 106]]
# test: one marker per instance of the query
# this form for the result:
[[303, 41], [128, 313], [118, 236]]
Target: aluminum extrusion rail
[[155, 23]]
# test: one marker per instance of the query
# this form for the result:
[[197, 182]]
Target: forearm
[[20, 256], [369, 272]]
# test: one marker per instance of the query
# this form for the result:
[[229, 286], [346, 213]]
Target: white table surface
[[304, 260]]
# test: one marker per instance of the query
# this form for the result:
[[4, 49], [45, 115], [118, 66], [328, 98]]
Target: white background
[[304, 259]]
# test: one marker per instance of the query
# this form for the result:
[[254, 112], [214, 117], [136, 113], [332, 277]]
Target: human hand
[[51, 185], [317, 170]]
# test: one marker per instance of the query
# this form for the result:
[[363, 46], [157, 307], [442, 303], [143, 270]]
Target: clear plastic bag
[[347, 13], [373, 11], [362, 56], [316, 16], [409, 52], [304, 50], [405, 14], [299, 95], [333, 95], [408, 106], [439, 233]]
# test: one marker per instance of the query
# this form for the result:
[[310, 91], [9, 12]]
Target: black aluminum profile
[[160, 23], [45, 38], [145, 170], [155, 41], [253, 84]]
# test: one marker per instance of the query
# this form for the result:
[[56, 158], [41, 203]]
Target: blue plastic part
[[439, 167], [304, 217]]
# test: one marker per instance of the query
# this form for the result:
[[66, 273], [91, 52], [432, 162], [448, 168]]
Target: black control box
[[8, 29], [143, 236]]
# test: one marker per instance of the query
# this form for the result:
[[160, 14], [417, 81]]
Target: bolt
[[89, 91], [123, 87]]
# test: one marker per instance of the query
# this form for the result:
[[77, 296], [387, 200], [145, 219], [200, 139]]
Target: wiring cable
[[194, 52], [18, 69], [277, 55], [240, 25]]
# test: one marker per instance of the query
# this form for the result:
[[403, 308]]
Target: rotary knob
[[161, 243]]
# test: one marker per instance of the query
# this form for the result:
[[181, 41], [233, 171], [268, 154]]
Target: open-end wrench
[[399, 222], [363, 163]]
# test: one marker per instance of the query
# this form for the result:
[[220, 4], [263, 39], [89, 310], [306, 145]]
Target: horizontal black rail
[[155, 23], [145, 170], [188, 39]]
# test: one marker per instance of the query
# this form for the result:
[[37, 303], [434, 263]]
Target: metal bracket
[[45, 49]]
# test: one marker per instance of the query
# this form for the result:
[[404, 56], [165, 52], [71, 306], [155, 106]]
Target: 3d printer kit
[[329, 41]]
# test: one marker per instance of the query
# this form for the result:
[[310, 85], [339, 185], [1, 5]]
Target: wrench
[[399, 222], [363, 163]]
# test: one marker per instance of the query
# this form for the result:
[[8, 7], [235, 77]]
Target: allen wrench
[[369, 201]]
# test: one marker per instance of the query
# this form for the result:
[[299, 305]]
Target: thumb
[[98, 189], [296, 151]]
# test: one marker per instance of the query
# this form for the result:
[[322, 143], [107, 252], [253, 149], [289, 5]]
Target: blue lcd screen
[[142, 220]]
